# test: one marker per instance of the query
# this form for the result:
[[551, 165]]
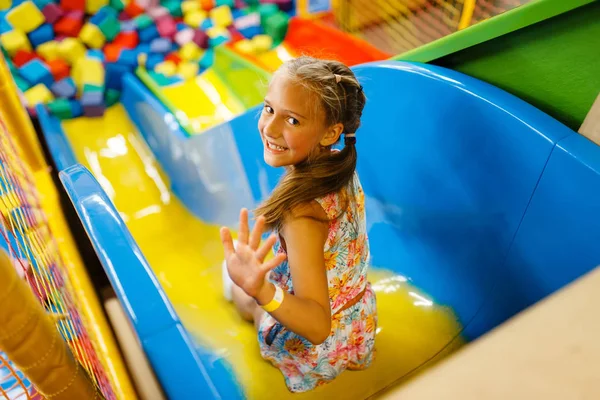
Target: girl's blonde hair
[[342, 100]]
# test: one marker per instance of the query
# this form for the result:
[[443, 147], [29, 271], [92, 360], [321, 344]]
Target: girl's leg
[[246, 305]]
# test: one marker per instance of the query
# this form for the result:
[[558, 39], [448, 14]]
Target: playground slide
[[476, 254]]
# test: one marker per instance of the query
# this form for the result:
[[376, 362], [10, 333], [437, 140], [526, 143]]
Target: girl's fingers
[[264, 249], [256, 233], [272, 263], [243, 234], [227, 242]]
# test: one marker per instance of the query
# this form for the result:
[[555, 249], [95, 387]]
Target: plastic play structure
[[478, 205]]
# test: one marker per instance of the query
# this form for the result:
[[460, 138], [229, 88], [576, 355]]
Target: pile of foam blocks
[[71, 54]]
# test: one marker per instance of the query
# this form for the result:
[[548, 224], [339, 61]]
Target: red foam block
[[59, 69], [22, 57]]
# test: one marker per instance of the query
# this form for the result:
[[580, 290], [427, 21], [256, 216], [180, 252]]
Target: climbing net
[[26, 236]]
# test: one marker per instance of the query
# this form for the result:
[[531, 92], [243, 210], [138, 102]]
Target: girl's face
[[292, 125]]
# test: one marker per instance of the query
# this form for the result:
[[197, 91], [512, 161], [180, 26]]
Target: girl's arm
[[307, 312]]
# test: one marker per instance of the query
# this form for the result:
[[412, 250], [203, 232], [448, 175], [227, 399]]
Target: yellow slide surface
[[186, 256], [205, 100]]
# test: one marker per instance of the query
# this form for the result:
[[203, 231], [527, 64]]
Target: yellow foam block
[[188, 70], [189, 6], [14, 41], [71, 50], [217, 31], [245, 46], [190, 51], [262, 43], [91, 35], [167, 68], [221, 16], [48, 50], [38, 94], [87, 70], [194, 18], [26, 17], [5, 4], [92, 6]]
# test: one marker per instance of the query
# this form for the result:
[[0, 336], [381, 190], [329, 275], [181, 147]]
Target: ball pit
[[71, 54]]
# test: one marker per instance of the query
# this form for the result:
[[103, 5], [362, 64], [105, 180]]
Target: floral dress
[[350, 344]]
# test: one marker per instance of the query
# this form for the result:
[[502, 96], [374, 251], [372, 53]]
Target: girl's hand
[[245, 263]]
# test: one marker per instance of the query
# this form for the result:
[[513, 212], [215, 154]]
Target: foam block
[[59, 69], [283, 5], [110, 27], [128, 57], [95, 53], [35, 72], [194, 19], [174, 7], [87, 87], [206, 24], [127, 40], [114, 74], [128, 26], [267, 10], [25, 17], [174, 58], [64, 88], [228, 3], [5, 4], [71, 50], [112, 52], [262, 43], [133, 9], [160, 45], [276, 26], [102, 13], [153, 60], [188, 6], [245, 46], [93, 104], [69, 25], [76, 108], [207, 5], [118, 5], [60, 108], [143, 21], [207, 59], [147, 4], [167, 68], [92, 6], [187, 70], [184, 36], [157, 12], [111, 97], [92, 36], [14, 41], [22, 84], [190, 52], [48, 50], [166, 27], [251, 31], [22, 57], [52, 13], [72, 5], [217, 31], [43, 34], [40, 4], [241, 4], [201, 39], [38, 94], [148, 34], [248, 20], [221, 16], [4, 26]]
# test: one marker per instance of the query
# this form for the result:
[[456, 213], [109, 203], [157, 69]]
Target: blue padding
[[58, 145], [184, 372], [205, 171], [558, 238]]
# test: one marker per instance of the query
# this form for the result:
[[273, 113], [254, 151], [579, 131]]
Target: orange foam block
[[59, 69]]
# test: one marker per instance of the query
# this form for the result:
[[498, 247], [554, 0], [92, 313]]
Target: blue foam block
[[207, 59], [95, 53], [4, 26], [154, 60], [64, 88], [206, 24], [161, 45], [237, 13], [36, 72], [149, 33], [42, 34], [143, 48], [41, 3], [102, 13], [128, 57], [114, 74], [251, 31], [76, 108], [181, 26], [213, 42]]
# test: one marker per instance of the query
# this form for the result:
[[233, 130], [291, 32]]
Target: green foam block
[[61, 108]]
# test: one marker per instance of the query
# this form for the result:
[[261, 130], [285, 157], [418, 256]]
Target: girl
[[312, 306]]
